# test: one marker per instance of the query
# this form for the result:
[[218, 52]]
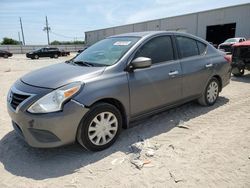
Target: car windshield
[[106, 52], [231, 40]]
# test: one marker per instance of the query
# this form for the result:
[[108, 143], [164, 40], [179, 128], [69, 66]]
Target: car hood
[[57, 75]]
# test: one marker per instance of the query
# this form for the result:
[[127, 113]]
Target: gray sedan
[[112, 83]]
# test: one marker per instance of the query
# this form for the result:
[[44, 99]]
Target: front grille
[[16, 99]]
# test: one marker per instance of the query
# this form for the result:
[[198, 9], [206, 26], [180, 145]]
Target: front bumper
[[47, 130]]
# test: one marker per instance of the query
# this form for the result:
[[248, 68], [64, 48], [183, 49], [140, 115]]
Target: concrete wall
[[195, 23], [17, 49], [237, 14]]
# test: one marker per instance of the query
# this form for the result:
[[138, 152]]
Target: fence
[[19, 49]]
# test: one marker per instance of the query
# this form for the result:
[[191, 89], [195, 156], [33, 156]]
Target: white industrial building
[[213, 25]]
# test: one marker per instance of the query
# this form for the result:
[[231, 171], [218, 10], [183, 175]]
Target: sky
[[69, 19]]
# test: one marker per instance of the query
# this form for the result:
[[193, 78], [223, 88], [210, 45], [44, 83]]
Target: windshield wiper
[[85, 63], [88, 64]]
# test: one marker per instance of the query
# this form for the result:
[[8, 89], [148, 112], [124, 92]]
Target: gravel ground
[[188, 146]]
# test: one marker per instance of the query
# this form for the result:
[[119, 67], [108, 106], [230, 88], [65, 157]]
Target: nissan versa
[[120, 79]]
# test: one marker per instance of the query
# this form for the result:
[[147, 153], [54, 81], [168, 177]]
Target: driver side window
[[159, 49]]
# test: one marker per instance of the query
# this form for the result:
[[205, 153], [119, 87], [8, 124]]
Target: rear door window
[[187, 47], [202, 48], [159, 49]]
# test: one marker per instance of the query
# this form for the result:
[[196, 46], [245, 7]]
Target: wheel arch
[[118, 105], [220, 81]]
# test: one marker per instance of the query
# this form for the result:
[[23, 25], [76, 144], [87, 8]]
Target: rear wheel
[[100, 127], [55, 55], [211, 93]]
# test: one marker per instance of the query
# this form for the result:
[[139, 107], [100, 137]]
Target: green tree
[[10, 41]]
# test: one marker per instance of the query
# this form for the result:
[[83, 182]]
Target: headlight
[[53, 101]]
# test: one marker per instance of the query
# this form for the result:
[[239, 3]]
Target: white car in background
[[226, 46]]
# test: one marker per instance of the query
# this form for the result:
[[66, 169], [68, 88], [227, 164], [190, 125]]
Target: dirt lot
[[192, 146]]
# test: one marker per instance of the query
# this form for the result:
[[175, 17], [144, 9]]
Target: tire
[[97, 137], [55, 55], [36, 57], [239, 72], [5, 56], [211, 93]]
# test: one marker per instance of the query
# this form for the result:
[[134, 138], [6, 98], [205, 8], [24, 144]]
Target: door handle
[[208, 65], [172, 73]]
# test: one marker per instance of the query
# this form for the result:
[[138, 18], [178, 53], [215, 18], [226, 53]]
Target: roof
[[153, 33], [245, 43], [140, 34]]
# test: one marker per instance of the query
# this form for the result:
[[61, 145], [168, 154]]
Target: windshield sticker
[[122, 43]]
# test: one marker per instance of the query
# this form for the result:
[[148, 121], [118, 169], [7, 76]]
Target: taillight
[[228, 58]]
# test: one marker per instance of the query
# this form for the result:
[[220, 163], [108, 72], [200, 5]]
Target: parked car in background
[[64, 53], [241, 58], [114, 82], [5, 54], [227, 45], [44, 52], [81, 50]]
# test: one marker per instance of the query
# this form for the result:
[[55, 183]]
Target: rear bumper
[[47, 130], [226, 76]]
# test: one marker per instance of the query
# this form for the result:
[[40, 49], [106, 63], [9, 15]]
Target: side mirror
[[140, 63]]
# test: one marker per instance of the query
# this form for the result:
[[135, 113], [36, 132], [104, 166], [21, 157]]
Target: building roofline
[[239, 5]]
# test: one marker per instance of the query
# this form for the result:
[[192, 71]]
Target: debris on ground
[[176, 180], [137, 147], [7, 70], [141, 151], [150, 153], [171, 146], [138, 163], [181, 125], [117, 161]]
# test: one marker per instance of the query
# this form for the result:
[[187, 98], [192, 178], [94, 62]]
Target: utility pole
[[20, 43], [47, 29], [19, 39], [22, 30]]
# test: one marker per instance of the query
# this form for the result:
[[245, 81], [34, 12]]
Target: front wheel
[[55, 55], [100, 127], [36, 57], [211, 93], [5, 56]]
